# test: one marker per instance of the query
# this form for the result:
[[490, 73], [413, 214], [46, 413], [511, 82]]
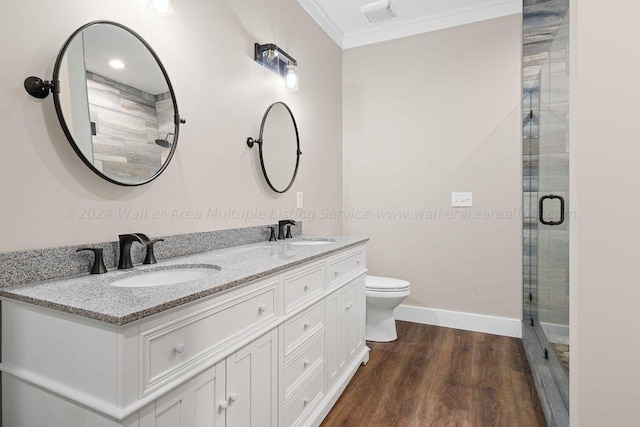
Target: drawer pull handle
[[262, 309], [222, 406], [305, 401], [306, 325], [305, 364], [179, 348], [233, 397], [336, 273], [307, 287]]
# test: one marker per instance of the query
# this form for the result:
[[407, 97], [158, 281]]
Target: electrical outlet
[[299, 202], [462, 200]]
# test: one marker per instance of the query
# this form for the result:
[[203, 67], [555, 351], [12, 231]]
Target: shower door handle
[[541, 209]]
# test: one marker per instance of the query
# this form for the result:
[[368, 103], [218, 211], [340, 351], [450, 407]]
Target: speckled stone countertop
[[93, 297]]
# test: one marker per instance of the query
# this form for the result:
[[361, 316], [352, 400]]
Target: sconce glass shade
[[292, 77], [277, 61], [161, 7]]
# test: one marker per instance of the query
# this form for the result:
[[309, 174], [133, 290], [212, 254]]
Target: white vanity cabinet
[[278, 351]]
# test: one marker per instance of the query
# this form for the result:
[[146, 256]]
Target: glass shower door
[[550, 145]]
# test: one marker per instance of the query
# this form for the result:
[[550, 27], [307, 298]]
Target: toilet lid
[[386, 284]]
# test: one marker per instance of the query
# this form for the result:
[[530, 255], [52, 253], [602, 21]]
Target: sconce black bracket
[[39, 88], [260, 48], [275, 63], [251, 141]]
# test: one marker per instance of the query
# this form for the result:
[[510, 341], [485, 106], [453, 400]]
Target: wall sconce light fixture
[[278, 61]]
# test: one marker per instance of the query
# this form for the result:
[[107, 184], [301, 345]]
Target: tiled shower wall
[[141, 119]]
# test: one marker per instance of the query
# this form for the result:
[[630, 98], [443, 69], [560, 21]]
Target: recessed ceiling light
[[379, 11], [117, 64]]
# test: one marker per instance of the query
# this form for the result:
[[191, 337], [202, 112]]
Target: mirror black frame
[[251, 141], [40, 89]]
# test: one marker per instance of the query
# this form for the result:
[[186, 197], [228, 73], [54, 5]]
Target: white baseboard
[[458, 320]]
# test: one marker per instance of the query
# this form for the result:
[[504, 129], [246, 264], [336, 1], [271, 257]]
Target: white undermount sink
[[167, 276], [311, 242]]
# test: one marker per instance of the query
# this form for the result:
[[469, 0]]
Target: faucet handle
[[150, 258], [288, 236], [98, 260], [272, 236]]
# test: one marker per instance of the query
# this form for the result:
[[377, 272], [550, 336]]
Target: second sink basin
[[166, 276]]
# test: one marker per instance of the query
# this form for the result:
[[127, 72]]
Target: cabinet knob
[[307, 287], [233, 397], [336, 273], [222, 406], [349, 306], [305, 364], [306, 325], [262, 309], [179, 348], [305, 401], [359, 262]]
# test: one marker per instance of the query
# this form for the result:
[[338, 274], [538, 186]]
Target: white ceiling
[[102, 43], [349, 27]]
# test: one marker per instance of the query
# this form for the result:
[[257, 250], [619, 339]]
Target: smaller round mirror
[[279, 146], [115, 103]]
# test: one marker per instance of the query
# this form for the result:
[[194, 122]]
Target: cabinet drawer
[[343, 265], [302, 285], [302, 361], [170, 349], [302, 326], [299, 406]]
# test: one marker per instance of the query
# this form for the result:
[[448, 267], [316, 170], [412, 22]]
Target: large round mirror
[[115, 103], [279, 146]]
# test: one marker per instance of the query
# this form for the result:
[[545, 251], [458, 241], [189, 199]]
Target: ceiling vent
[[379, 11]]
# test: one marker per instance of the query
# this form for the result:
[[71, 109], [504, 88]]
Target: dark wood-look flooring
[[434, 376]]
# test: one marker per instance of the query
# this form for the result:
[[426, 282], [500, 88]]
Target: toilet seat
[[385, 284]]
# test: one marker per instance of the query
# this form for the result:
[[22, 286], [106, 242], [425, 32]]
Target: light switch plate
[[299, 202], [462, 200]]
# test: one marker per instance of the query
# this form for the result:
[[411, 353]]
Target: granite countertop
[[93, 297]]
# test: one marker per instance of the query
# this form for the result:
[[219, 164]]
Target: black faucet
[[126, 240], [281, 225]]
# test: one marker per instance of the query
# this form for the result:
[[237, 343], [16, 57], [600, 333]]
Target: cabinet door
[[193, 404], [351, 320], [361, 313], [252, 387], [335, 334], [355, 321]]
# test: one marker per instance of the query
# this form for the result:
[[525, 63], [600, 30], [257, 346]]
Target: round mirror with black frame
[[279, 146], [115, 103]]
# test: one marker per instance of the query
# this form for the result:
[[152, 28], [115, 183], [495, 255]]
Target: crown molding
[[325, 22], [404, 28]]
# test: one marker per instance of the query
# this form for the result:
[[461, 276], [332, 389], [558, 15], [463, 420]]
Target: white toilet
[[384, 294]]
